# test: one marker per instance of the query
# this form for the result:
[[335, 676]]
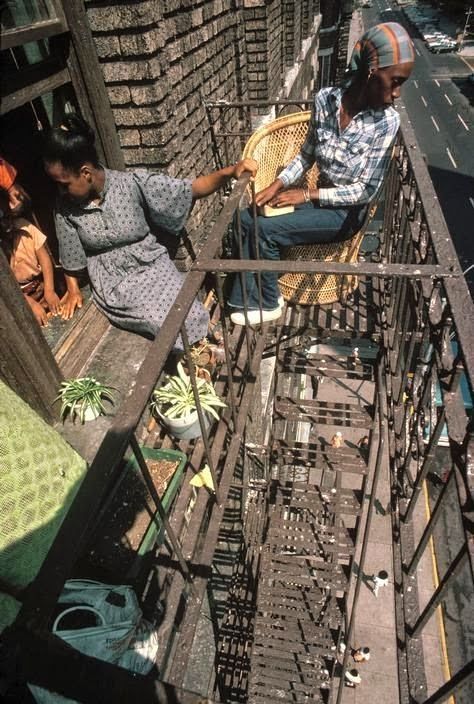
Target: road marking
[[463, 123], [415, 83], [424, 102], [451, 157], [434, 123], [447, 99], [437, 83], [471, 201], [417, 52]]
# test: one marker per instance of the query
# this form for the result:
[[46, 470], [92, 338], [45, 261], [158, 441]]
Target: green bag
[[120, 635]]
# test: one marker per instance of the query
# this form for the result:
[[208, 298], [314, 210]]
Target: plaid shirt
[[353, 160]]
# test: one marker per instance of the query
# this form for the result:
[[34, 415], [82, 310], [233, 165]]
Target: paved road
[[439, 101]]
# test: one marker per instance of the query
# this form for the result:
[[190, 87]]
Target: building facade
[[141, 72]]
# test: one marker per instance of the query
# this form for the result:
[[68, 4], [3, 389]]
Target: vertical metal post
[[159, 506], [381, 413], [243, 278], [257, 248], [205, 438], [425, 467], [228, 358], [456, 566], [411, 347], [430, 526]]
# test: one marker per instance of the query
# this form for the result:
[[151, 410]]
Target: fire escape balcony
[[272, 552]]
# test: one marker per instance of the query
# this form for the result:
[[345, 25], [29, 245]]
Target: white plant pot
[[89, 414], [185, 428]]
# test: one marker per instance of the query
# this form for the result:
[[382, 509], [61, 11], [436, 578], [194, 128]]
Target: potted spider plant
[[84, 398], [175, 405]]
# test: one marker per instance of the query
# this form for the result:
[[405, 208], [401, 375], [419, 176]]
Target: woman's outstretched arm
[[203, 186]]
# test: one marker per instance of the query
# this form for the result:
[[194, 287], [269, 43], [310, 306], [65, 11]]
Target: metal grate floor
[[279, 638]]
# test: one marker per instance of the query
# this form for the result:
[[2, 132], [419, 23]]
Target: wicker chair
[[273, 146]]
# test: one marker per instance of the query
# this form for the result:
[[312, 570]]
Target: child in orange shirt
[[25, 247], [18, 197]]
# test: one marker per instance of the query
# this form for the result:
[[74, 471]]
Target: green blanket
[[39, 477]]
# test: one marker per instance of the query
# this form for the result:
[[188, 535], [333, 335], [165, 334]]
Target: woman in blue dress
[[104, 221]]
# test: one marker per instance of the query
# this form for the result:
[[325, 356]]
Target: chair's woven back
[[274, 145]]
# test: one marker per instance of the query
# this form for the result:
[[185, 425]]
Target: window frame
[[16, 36]]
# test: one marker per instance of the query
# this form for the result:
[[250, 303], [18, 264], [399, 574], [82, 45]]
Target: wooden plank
[[26, 362], [53, 79], [32, 33], [93, 82], [75, 348]]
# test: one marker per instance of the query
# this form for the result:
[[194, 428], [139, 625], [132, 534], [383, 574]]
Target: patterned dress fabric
[[134, 282]]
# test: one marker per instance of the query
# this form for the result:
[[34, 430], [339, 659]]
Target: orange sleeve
[[7, 174]]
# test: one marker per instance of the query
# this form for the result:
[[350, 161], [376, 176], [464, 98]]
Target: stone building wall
[[334, 36], [161, 58], [343, 40]]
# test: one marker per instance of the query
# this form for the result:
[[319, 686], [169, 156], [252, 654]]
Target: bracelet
[[306, 194]]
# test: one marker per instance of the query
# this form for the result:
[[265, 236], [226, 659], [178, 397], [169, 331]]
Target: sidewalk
[[375, 616]]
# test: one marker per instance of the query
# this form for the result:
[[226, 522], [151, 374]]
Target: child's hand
[[69, 302], [52, 299], [245, 165], [38, 311]]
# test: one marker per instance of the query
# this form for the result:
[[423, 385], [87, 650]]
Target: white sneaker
[[253, 316], [353, 677]]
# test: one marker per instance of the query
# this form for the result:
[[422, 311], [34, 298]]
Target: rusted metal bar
[[159, 506], [202, 423], [228, 358], [406, 271], [381, 413], [458, 294], [429, 457], [430, 526], [224, 105], [460, 679], [79, 520], [186, 635], [453, 570]]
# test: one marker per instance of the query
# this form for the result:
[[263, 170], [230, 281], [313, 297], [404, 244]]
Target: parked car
[[442, 47]]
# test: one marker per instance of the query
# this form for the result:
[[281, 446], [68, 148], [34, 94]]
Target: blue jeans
[[306, 225]]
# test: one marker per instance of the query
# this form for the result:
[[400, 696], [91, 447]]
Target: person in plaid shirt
[[350, 135]]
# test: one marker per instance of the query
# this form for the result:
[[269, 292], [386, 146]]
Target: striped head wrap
[[381, 46]]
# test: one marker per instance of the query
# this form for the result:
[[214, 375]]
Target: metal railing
[[425, 328]]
